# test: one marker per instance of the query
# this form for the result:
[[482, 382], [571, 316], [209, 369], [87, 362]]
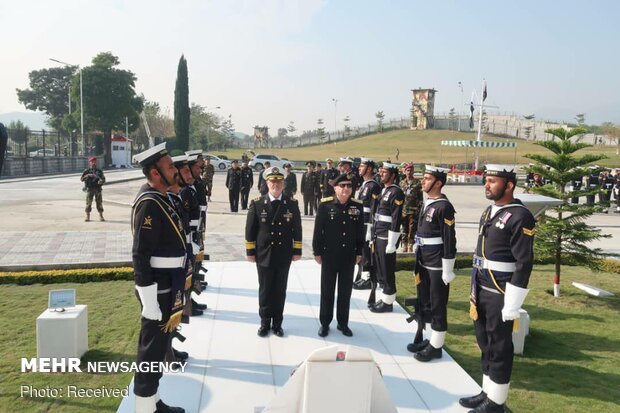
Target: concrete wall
[[14, 167]]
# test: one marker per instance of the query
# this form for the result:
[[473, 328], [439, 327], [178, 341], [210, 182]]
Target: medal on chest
[[429, 214], [288, 216], [501, 223], [353, 211], [263, 216]]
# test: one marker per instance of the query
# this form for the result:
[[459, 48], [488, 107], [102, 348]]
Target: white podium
[[518, 336], [63, 334]]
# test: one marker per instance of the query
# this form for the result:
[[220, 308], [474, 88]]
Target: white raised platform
[[231, 369]]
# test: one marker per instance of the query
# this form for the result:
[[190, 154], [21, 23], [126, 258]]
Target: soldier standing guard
[[607, 184], [247, 182], [412, 187], [262, 183], [159, 261], [435, 255], [502, 267], [575, 185], [369, 192], [207, 176], [616, 191], [318, 176], [233, 183], [327, 179], [337, 244], [308, 188], [290, 181], [386, 233], [272, 240], [592, 184], [93, 179]]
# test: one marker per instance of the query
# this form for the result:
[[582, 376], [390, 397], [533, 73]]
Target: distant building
[[121, 151], [423, 109]]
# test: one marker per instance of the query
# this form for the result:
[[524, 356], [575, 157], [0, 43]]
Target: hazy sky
[[270, 62]]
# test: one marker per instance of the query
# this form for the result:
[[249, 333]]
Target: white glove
[[368, 232], [513, 300], [392, 241], [150, 306], [447, 270]]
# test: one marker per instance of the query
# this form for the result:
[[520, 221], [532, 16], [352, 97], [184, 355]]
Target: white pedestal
[[518, 337], [63, 334]]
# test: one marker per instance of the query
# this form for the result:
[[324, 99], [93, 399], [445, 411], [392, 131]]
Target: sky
[[270, 62]]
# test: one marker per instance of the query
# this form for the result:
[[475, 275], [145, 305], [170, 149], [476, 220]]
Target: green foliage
[[49, 93], [19, 132], [181, 105], [380, 117], [80, 275], [99, 145], [563, 236]]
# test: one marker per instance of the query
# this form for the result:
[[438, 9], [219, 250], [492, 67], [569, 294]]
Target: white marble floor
[[231, 369]]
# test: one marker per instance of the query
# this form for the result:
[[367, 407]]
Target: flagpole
[[479, 126]]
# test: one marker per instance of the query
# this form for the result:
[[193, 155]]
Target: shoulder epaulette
[[327, 199], [356, 200], [258, 198]]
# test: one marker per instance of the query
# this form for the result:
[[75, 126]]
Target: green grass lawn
[[572, 354], [420, 146], [569, 365]]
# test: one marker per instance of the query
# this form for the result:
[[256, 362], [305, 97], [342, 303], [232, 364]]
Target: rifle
[[373, 275], [417, 315]]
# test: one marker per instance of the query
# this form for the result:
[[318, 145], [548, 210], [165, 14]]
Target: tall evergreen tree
[[562, 236], [181, 106]]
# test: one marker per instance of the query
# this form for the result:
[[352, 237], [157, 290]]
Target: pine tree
[[181, 106], [562, 237]]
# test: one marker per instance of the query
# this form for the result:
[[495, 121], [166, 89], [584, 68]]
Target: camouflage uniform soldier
[[414, 199], [93, 179], [207, 176]]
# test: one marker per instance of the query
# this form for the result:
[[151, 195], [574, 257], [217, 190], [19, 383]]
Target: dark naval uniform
[[273, 235], [387, 218], [233, 183], [290, 185], [502, 267], [616, 192], [368, 194], [247, 181], [308, 190], [328, 174], [592, 184], [607, 184], [159, 261], [338, 238], [575, 185]]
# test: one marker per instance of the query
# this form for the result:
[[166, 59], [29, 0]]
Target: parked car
[[42, 152], [217, 162], [258, 162]]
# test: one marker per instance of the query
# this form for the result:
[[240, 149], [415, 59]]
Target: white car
[[42, 152], [217, 162], [258, 162]]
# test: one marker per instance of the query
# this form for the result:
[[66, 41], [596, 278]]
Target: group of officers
[[602, 181], [168, 223]]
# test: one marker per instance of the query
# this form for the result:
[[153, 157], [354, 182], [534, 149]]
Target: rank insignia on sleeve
[[148, 221], [529, 232], [398, 202]]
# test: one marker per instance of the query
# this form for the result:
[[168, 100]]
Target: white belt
[[203, 208], [432, 268], [194, 222], [383, 218], [482, 263], [188, 238], [167, 262], [367, 209], [429, 241]]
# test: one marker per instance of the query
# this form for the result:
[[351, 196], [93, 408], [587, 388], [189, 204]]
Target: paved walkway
[[232, 370]]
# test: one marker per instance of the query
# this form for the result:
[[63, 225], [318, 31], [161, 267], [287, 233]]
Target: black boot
[[181, 356], [198, 306], [415, 347], [164, 408], [264, 328], [488, 406], [428, 353], [473, 401], [196, 312], [362, 285], [381, 307]]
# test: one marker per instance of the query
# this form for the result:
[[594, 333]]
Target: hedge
[[84, 275]]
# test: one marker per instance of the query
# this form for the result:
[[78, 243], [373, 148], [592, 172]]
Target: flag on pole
[[484, 92], [471, 114]]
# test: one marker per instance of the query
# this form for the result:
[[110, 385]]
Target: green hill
[[421, 147]]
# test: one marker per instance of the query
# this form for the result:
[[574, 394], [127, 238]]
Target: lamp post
[[461, 106], [335, 116], [81, 101]]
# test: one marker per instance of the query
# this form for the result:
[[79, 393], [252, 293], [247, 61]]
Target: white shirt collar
[[272, 198]]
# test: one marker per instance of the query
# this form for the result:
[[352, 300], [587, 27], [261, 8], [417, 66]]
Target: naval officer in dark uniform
[[337, 244], [247, 182], [435, 254], [386, 234], [159, 261], [272, 241], [502, 266]]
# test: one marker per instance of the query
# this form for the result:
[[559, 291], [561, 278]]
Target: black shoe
[[196, 312], [263, 331], [180, 355], [473, 401], [362, 285], [164, 408], [345, 330], [204, 284], [278, 331], [415, 347], [488, 406], [323, 331], [198, 306], [381, 307], [428, 353]]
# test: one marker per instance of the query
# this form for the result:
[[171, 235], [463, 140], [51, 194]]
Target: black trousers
[[233, 198], [434, 297], [152, 346], [309, 204], [317, 200], [245, 195], [386, 267], [604, 198], [494, 337], [272, 283], [336, 269]]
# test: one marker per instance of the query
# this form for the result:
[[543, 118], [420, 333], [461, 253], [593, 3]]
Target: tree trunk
[[107, 147], [558, 263]]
